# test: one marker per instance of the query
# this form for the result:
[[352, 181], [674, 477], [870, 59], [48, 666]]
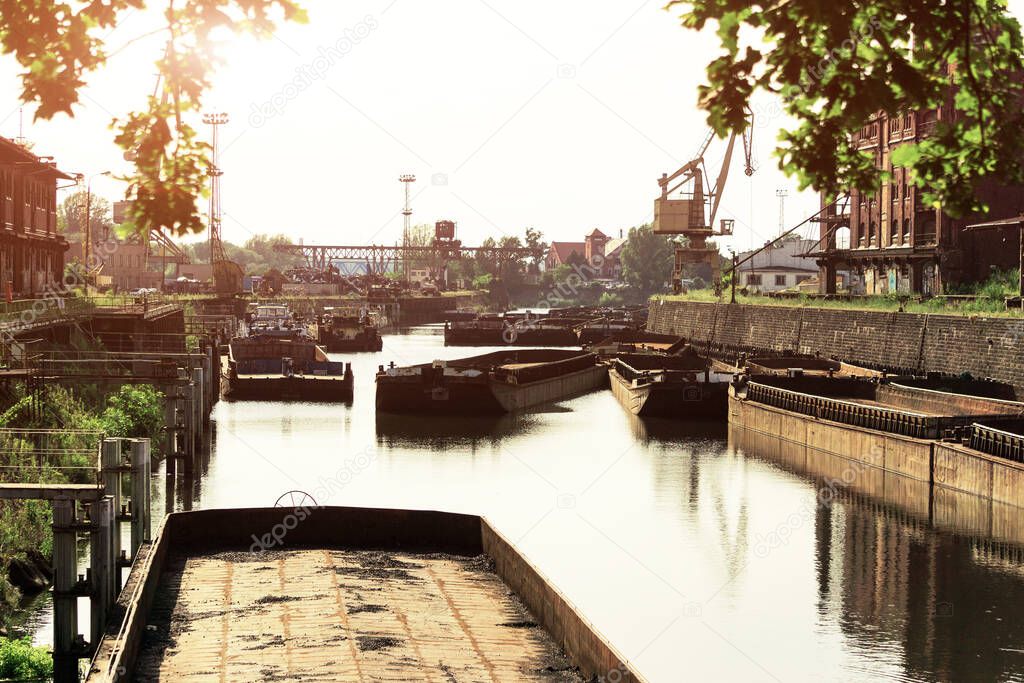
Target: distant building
[[31, 249], [778, 266], [896, 242], [559, 253], [597, 249]]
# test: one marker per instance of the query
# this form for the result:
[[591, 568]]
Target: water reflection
[[701, 554]]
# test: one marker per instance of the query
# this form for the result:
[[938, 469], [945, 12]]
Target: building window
[[895, 235], [754, 280], [780, 280], [800, 279]]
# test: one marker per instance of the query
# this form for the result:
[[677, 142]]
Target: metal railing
[[50, 455], [997, 442], [846, 412]]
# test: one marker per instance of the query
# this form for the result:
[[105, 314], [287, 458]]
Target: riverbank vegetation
[[26, 454], [985, 298]]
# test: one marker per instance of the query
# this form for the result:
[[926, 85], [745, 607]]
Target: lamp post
[[87, 241]]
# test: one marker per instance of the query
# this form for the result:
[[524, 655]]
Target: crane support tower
[[688, 206]]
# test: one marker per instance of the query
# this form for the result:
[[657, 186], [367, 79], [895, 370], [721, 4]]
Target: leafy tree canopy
[[836, 64], [647, 260], [58, 44]]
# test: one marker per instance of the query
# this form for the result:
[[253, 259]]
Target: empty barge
[[504, 330], [685, 385], [901, 426], [285, 368], [490, 384], [345, 594]]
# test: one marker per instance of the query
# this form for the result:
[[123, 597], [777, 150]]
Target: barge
[[684, 385], [283, 368], [347, 330], [491, 384], [502, 330], [343, 594]]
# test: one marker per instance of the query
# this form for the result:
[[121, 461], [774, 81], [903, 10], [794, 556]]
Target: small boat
[[490, 384], [273, 320], [683, 385], [344, 330]]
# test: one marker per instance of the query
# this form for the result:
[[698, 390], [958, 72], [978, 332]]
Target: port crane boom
[[692, 212]]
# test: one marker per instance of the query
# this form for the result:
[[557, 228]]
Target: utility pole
[[782, 194], [215, 120], [407, 180], [87, 234]]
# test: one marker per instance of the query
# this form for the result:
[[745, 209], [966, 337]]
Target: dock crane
[[684, 214]]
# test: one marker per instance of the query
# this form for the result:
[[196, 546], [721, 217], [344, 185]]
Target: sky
[[557, 116]]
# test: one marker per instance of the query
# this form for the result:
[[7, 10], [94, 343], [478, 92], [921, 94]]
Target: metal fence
[[997, 442], [847, 412], [43, 456]]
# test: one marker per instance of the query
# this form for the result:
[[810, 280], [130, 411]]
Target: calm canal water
[[700, 554]]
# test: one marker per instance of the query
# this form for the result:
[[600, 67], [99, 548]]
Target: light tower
[[782, 194], [407, 179], [215, 120]]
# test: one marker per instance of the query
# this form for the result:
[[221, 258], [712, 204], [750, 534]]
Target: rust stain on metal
[[341, 615]]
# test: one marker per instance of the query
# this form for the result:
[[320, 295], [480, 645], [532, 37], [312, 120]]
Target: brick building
[[596, 248], [31, 249], [894, 241]]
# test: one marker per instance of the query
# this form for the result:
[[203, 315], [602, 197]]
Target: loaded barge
[[343, 594], [343, 331], [684, 385], [269, 368], [490, 384]]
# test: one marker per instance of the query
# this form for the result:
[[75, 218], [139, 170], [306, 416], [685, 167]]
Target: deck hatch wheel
[[296, 499]]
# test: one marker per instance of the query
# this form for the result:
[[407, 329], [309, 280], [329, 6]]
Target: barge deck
[[343, 594], [342, 615]]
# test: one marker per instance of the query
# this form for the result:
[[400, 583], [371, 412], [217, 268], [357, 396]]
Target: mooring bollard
[[65, 603]]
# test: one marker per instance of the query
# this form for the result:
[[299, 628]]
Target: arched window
[[894, 235]]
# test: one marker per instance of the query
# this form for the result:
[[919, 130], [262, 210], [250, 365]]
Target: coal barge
[[344, 331], [685, 385], [491, 384]]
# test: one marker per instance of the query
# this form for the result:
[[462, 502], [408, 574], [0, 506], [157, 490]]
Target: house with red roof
[[597, 249]]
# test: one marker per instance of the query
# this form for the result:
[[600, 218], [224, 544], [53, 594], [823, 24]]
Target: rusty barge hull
[[344, 594], [491, 384], [697, 400], [289, 388]]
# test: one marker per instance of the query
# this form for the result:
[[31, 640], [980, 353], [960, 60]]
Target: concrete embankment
[[244, 579], [953, 345]]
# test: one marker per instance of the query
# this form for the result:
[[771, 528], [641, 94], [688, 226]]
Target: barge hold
[[684, 385], [347, 594], [490, 384], [347, 330], [270, 368]]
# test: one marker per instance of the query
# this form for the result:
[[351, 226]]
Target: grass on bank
[[987, 298]]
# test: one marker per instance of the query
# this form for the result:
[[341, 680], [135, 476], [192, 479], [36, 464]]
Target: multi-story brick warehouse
[[31, 249], [894, 241]]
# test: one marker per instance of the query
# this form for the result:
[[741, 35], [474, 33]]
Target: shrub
[[19, 660]]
